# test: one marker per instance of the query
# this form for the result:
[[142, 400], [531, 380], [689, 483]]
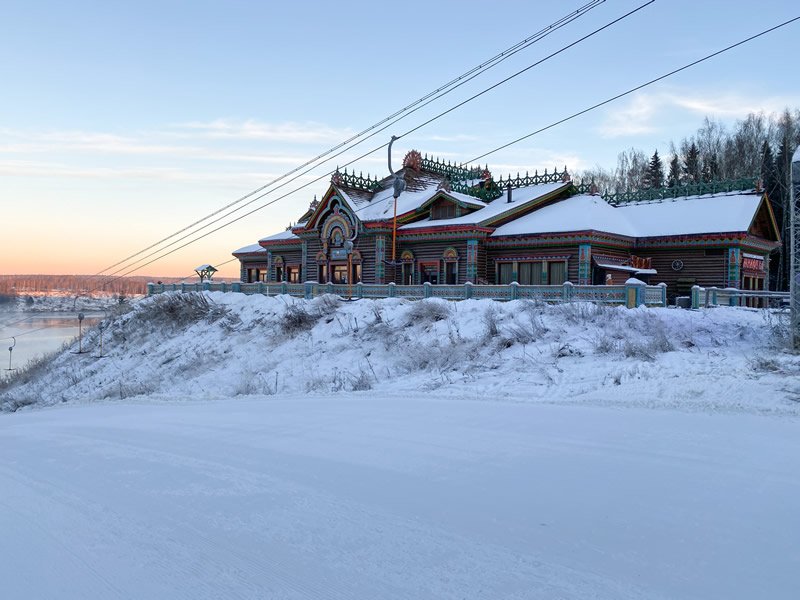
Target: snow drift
[[215, 345]]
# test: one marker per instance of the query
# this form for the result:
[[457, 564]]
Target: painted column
[[269, 266], [472, 261], [304, 264], [380, 255], [734, 267], [585, 264]]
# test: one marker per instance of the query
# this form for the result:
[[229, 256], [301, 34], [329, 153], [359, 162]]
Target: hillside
[[217, 346]]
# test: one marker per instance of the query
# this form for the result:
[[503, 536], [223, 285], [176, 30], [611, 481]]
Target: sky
[[123, 123]]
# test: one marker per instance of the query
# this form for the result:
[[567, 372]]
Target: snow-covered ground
[[216, 345], [248, 447], [358, 495]]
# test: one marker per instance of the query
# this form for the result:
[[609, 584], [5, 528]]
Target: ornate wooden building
[[452, 225]]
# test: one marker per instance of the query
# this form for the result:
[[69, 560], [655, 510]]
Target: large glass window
[[556, 273], [278, 274], [322, 273], [293, 274], [356, 272], [505, 272]]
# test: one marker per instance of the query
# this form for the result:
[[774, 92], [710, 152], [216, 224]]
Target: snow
[[575, 452], [381, 206], [693, 215], [494, 209], [577, 213], [358, 496], [681, 216], [282, 235], [252, 248]]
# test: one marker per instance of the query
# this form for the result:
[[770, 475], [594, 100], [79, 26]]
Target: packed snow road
[[348, 496]]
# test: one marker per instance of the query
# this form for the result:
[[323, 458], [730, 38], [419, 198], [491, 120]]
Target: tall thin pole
[[394, 233], [794, 240]]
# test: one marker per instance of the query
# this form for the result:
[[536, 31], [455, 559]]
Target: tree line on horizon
[[757, 146], [36, 284]]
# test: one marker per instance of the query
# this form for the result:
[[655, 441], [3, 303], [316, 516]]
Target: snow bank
[[216, 346]]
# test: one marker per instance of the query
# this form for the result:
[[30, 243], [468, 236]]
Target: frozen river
[[37, 333]]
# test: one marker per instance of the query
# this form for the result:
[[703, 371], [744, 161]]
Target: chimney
[[508, 191]]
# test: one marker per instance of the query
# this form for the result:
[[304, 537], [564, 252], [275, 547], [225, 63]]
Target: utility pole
[[794, 249], [399, 185]]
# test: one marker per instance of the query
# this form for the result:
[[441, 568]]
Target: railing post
[[391, 289], [514, 290], [663, 287], [714, 295], [261, 287], [427, 289], [308, 291], [634, 292], [359, 290], [284, 288], [566, 293], [733, 297], [329, 287], [696, 296], [223, 287], [467, 290], [236, 286], [150, 289], [206, 285]]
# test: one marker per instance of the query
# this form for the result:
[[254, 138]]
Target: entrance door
[[429, 272]]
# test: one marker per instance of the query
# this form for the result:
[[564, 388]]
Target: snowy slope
[[495, 450], [223, 345]]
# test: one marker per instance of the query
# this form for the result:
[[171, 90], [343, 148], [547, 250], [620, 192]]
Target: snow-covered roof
[[719, 213], [693, 215], [382, 204], [283, 235], [578, 213], [519, 198], [251, 249]]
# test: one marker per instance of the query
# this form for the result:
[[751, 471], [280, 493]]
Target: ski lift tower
[[794, 249]]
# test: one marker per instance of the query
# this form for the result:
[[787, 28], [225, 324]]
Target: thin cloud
[[299, 133], [646, 113]]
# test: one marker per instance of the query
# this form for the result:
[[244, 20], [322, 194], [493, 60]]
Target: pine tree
[[691, 165], [710, 170], [674, 177], [655, 172]]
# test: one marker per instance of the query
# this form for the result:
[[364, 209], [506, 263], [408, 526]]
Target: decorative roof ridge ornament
[[413, 160]]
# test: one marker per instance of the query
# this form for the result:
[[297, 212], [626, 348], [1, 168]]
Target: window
[[293, 274], [529, 273], [322, 273], [429, 272], [556, 273], [505, 272], [356, 272], [408, 274], [278, 274], [253, 275], [339, 274], [450, 273], [445, 210]]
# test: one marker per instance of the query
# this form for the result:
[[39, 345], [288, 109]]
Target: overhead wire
[[128, 269], [419, 103], [593, 107]]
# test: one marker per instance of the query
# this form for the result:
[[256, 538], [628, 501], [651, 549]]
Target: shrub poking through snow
[[428, 311], [297, 319], [180, 310]]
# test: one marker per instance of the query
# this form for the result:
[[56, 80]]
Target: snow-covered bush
[[297, 319], [428, 311]]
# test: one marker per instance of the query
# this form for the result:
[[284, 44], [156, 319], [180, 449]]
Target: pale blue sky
[[120, 123]]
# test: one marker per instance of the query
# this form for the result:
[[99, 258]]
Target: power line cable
[[673, 72], [634, 89], [419, 103], [438, 116]]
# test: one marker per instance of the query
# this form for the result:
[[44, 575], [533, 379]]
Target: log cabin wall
[[699, 266]]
